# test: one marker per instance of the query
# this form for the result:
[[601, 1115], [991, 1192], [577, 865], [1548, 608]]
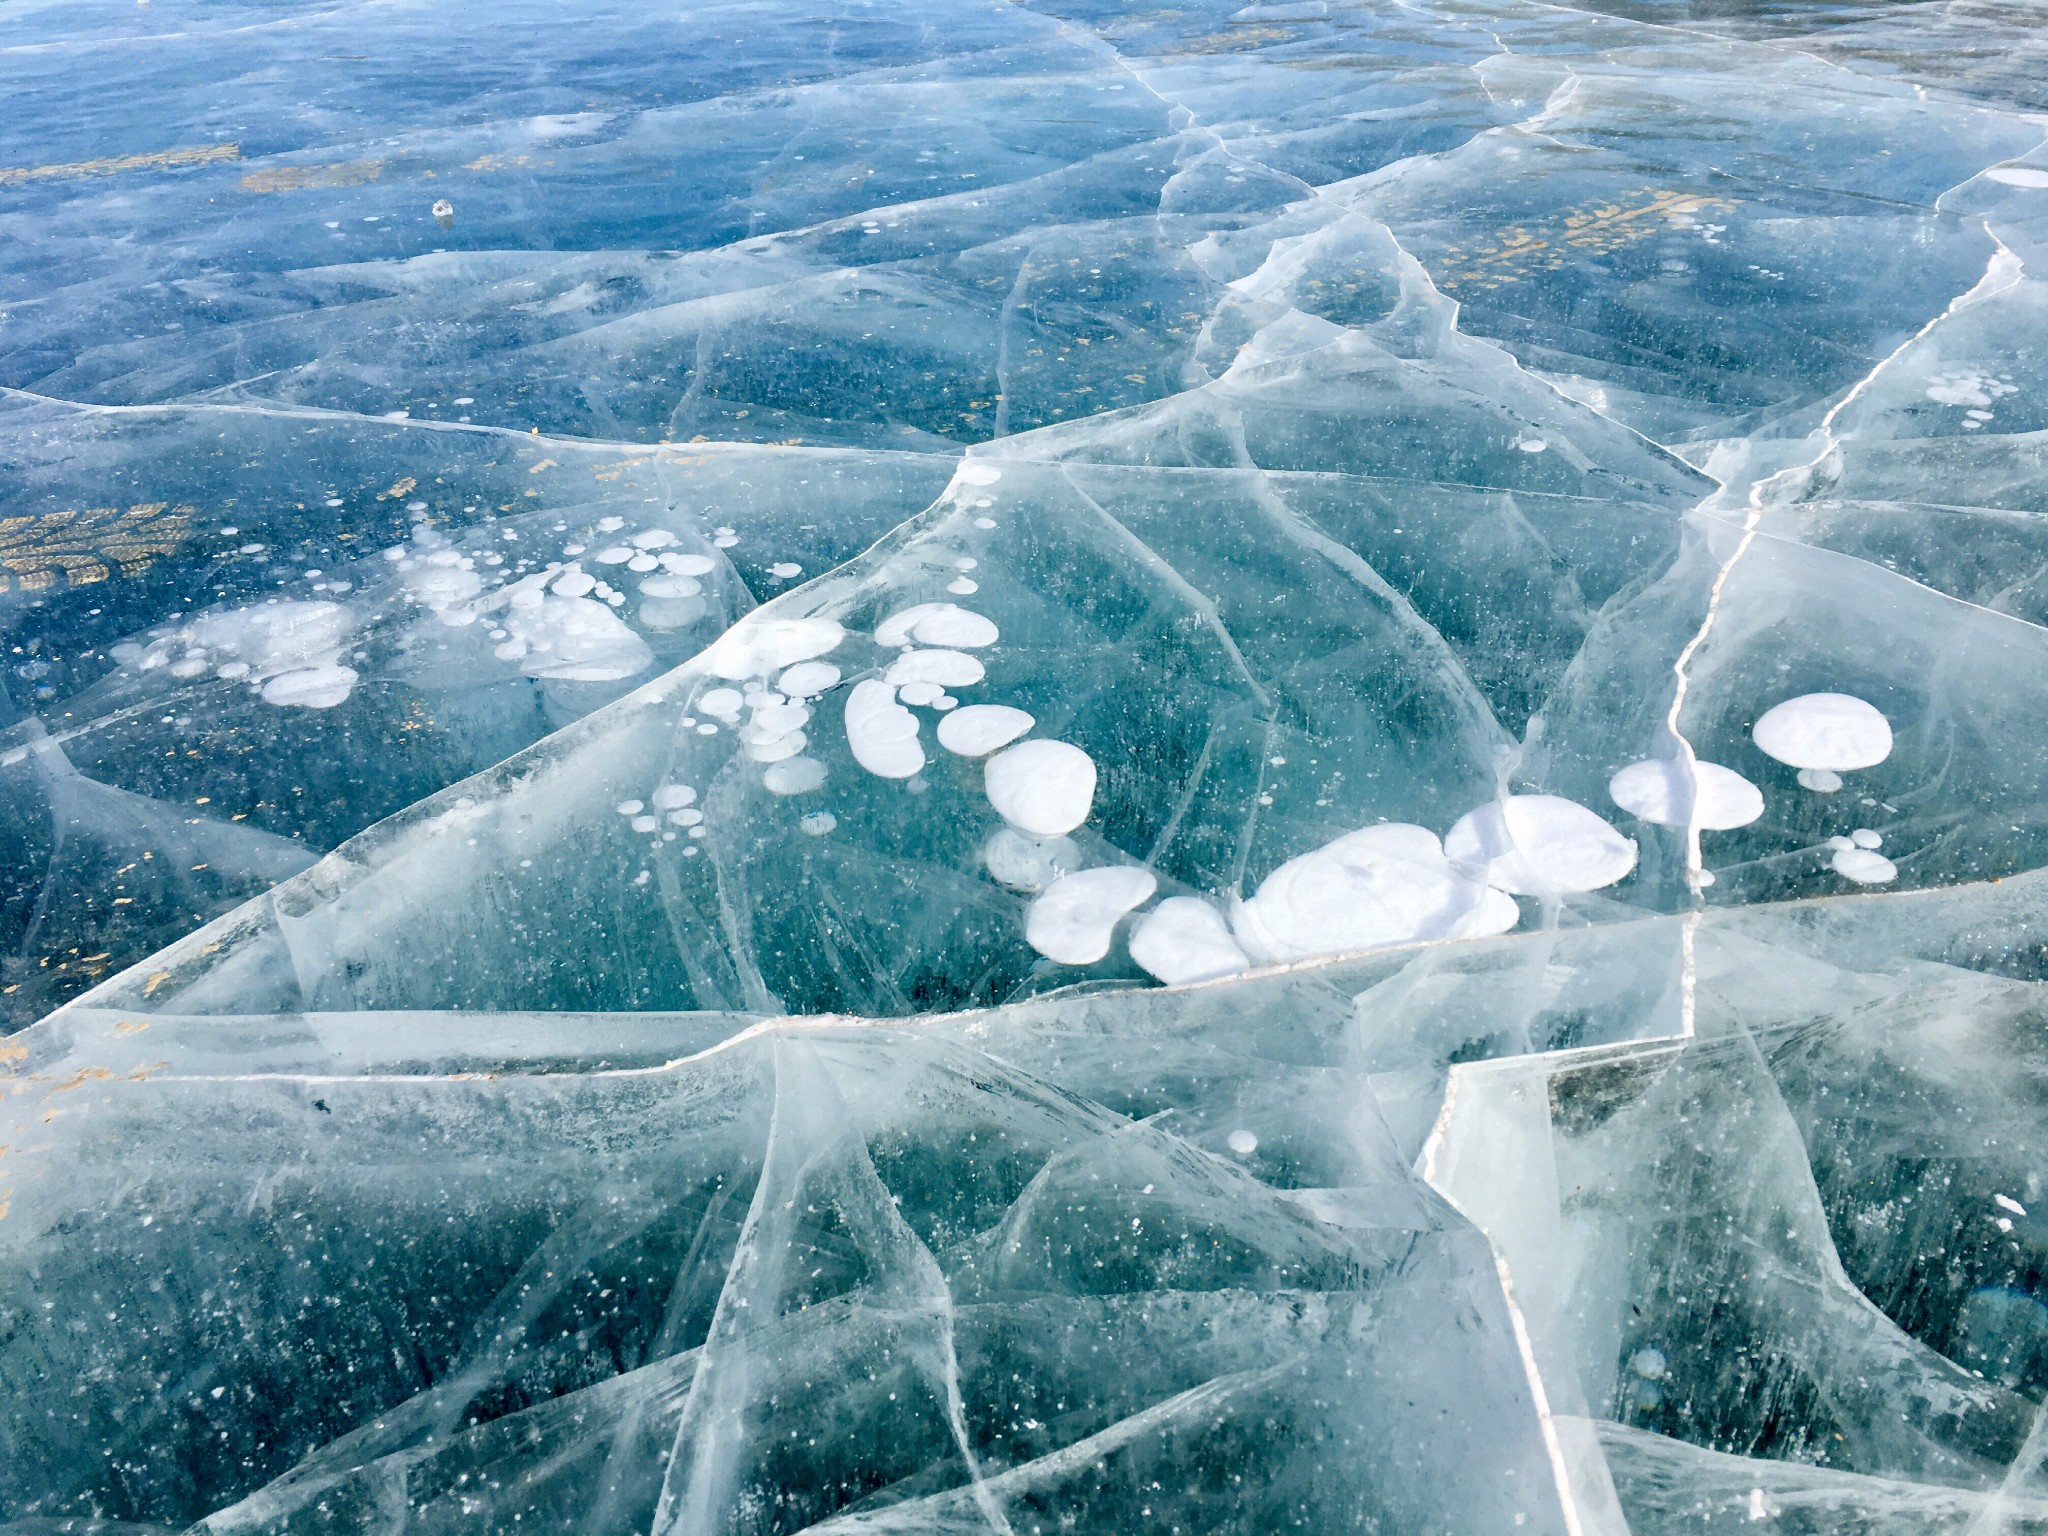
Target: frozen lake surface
[[1024, 766]]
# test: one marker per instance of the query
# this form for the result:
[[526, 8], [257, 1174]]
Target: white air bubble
[[757, 647], [971, 473], [1045, 788], [1074, 918], [1029, 863], [1864, 866], [980, 729], [807, 679], [1540, 845], [616, 554], [797, 776], [881, 733], [941, 624], [671, 587], [948, 669], [1661, 790], [310, 687], [818, 823], [1243, 1143], [1863, 837], [1832, 731], [1186, 940], [670, 797], [1381, 885]]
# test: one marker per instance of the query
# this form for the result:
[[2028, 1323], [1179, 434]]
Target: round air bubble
[[646, 823], [573, 583], [673, 797], [630, 807], [1243, 1143], [785, 570], [798, 776], [881, 733], [1832, 731], [1029, 863], [310, 687], [1863, 837], [1042, 787], [963, 586], [818, 823], [949, 669], [946, 624], [1540, 845], [688, 565], [1822, 781], [2020, 176], [756, 647], [671, 586], [1382, 885], [775, 749], [653, 538], [971, 473], [616, 554], [979, 729], [1074, 918], [1660, 790], [1864, 866], [1186, 940], [723, 702], [921, 693], [771, 720], [640, 565], [807, 679]]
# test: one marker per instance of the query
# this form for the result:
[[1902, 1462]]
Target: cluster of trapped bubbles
[[1382, 885]]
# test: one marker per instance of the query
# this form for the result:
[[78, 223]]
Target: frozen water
[[1044, 767]]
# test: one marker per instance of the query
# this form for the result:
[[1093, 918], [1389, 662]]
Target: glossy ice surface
[[1024, 766]]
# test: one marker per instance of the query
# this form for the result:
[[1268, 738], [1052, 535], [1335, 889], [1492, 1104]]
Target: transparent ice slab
[[770, 772]]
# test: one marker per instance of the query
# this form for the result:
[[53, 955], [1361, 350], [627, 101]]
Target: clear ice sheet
[[522, 1015]]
